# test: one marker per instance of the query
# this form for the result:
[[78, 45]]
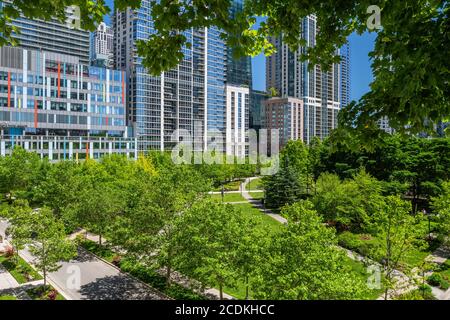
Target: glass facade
[[239, 70], [186, 100]]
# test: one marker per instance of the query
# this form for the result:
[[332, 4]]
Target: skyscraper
[[345, 82], [180, 102], [257, 99], [53, 36], [102, 46], [239, 70], [319, 90]]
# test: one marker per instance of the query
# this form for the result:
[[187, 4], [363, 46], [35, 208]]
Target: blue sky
[[361, 74]]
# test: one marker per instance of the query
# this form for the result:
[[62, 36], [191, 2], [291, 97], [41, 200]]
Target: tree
[[20, 228], [441, 206], [397, 227], [100, 199], [410, 63], [351, 204], [17, 173], [145, 230], [50, 245], [207, 238], [294, 180], [302, 262]]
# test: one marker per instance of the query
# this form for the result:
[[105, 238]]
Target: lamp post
[[223, 192]]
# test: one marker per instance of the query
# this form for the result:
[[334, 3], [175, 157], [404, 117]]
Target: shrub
[[116, 260], [52, 295], [361, 243], [435, 280], [9, 252]]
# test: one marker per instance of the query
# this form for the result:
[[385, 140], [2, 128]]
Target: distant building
[[237, 123], [257, 99], [53, 36], [320, 90], [188, 99], [345, 82], [102, 42], [384, 125], [286, 115], [239, 70], [53, 104]]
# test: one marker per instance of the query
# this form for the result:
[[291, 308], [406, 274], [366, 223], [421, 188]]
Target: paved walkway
[[88, 278], [258, 203]]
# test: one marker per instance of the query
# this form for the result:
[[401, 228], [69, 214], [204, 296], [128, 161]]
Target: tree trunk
[[246, 288], [100, 239], [221, 291], [168, 274]]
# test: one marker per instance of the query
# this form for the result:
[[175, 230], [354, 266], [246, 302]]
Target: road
[[89, 278]]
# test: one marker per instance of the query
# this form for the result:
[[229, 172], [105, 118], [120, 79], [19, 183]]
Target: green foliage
[[49, 245], [437, 280], [351, 204], [413, 166], [206, 240], [302, 261], [441, 206], [362, 243], [293, 181]]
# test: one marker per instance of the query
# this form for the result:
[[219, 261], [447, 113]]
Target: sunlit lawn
[[257, 195], [255, 184], [228, 197]]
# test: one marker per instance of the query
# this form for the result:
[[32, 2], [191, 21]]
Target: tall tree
[[441, 206], [50, 245], [397, 227], [208, 238], [303, 262], [20, 227]]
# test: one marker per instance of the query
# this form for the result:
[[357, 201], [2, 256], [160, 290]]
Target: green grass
[[257, 195], [266, 221], [367, 244], [358, 268], [21, 271], [228, 197], [255, 184], [102, 251], [42, 293], [230, 186], [8, 297]]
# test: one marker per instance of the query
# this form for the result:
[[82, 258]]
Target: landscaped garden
[[19, 269], [44, 293]]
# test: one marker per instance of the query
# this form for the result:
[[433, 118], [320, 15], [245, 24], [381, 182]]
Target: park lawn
[[364, 244], [358, 268], [266, 221], [8, 297], [257, 195], [255, 184], [230, 186], [22, 271], [228, 197]]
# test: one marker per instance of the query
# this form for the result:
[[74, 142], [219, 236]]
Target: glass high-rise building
[[345, 83], [239, 70], [319, 89], [189, 99], [53, 36]]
